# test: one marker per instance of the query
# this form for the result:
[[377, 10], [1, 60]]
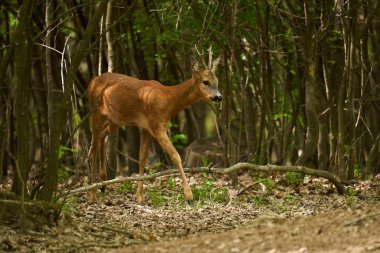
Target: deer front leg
[[144, 145], [168, 147]]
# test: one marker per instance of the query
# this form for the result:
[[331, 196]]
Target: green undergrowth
[[281, 193], [260, 201], [351, 198], [294, 178], [127, 187], [206, 191]]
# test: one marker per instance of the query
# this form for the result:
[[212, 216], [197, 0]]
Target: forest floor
[[270, 215]]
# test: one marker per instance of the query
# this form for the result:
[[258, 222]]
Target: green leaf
[[170, 182], [280, 115], [180, 138], [63, 149]]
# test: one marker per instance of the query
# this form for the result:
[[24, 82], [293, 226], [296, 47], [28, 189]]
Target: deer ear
[[215, 63], [194, 65]]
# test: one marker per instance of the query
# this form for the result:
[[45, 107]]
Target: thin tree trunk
[[109, 37], [5, 124], [22, 71], [101, 45], [49, 76], [343, 99], [309, 55], [227, 116], [373, 161], [50, 182], [312, 119], [352, 90], [113, 138], [5, 129], [265, 151]]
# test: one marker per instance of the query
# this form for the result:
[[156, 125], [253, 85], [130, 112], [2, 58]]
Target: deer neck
[[183, 95]]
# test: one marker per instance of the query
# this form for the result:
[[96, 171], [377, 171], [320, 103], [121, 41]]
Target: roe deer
[[118, 100]]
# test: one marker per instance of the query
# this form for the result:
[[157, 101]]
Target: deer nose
[[217, 98]]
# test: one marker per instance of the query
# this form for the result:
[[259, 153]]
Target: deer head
[[205, 77]]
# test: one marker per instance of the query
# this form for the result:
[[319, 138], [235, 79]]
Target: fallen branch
[[222, 171]]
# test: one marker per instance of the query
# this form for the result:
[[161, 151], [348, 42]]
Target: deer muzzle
[[217, 98]]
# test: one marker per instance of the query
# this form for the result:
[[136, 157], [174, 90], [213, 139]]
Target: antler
[[200, 56], [210, 57], [215, 63], [211, 64]]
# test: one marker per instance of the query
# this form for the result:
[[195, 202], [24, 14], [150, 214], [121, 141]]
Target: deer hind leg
[[94, 156], [103, 162], [97, 121], [108, 127], [99, 132], [144, 146], [168, 147]]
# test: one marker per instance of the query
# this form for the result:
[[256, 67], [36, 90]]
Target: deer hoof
[[139, 196], [93, 196], [188, 194], [140, 199]]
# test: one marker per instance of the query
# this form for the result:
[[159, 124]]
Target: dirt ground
[[338, 231], [311, 218]]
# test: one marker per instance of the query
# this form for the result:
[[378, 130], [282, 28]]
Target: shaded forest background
[[300, 81]]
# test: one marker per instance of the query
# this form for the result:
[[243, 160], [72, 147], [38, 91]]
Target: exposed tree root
[[222, 171], [28, 213]]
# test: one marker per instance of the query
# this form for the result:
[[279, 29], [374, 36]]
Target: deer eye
[[205, 82]]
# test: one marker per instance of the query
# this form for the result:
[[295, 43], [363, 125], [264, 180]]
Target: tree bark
[[309, 57], [6, 117], [113, 138], [373, 161], [22, 71]]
